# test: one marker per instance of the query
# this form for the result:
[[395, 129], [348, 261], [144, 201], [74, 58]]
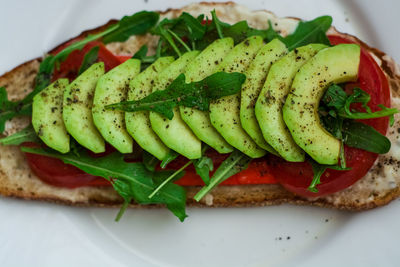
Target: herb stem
[[217, 24], [179, 40], [216, 180], [122, 210], [169, 179]]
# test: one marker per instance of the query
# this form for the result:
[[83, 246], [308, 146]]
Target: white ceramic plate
[[41, 234]]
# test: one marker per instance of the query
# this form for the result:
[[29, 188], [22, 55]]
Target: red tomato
[[55, 172], [124, 58], [70, 67], [296, 177]]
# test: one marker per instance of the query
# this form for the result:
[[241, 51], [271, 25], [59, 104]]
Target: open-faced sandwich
[[209, 105]]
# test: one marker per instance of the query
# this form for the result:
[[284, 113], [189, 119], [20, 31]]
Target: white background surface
[[41, 234]]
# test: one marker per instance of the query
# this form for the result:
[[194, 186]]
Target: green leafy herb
[[26, 135], [308, 32], [185, 27], [137, 24], [163, 31], [149, 161], [318, 170], [179, 93], [174, 176], [130, 180], [219, 25], [141, 53], [236, 162], [195, 28], [203, 165], [363, 136], [337, 98], [170, 157], [89, 59], [10, 109]]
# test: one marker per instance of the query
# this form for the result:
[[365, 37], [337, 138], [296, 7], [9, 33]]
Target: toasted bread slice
[[378, 187]]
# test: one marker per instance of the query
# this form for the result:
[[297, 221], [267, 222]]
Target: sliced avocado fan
[[336, 64]]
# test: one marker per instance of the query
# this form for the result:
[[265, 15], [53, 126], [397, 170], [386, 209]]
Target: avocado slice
[[77, 109], [47, 116], [175, 133], [336, 64], [269, 105], [255, 78], [202, 66], [112, 88], [138, 123], [224, 112]]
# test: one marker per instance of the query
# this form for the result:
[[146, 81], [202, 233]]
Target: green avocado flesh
[[225, 112], [138, 123], [201, 67], [336, 64], [77, 109], [47, 116], [112, 88], [255, 78], [269, 105], [175, 133]]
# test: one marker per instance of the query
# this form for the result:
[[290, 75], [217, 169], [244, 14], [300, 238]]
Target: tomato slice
[[70, 67], [55, 172], [296, 177]]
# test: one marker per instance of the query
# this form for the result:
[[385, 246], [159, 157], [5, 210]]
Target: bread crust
[[16, 179]]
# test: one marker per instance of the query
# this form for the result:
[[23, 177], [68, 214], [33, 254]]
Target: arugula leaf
[[10, 109], [141, 53], [89, 59], [318, 170], [130, 180], [149, 161], [360, 135], [173, 177], [179, 93], [384, 112], [170, 157], [183, 27], [137, 24], [308, 32], [337, 98], [203, 166], [219, 25], [26, 135], [236, 162], [163, 32], [195, 28]]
